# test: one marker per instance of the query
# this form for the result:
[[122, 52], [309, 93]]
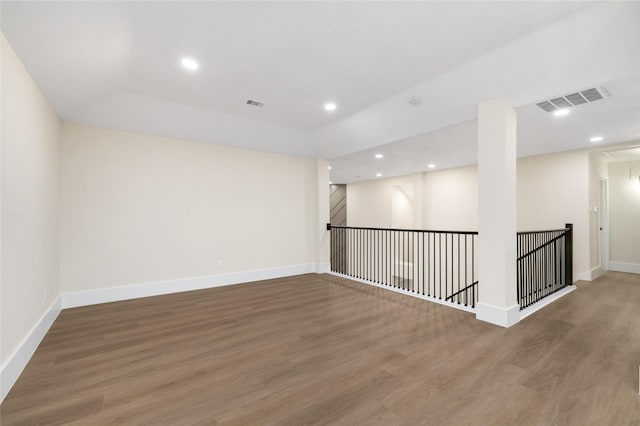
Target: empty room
[[327, 213]]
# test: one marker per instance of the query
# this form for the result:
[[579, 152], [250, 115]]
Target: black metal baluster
[[360, 256], [452, 277], [424, 260], [446, 266], [473, 275], [394, 265], [429, 263], [440, 265], [458, 268], [389, 248], [405, 246], [368, 257]]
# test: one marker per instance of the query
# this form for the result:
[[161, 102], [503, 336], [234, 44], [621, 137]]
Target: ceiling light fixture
[[561, 112], [378, 156], [330, 106], [330, 183], [378, 174], [329, 167], [431, 166], [189, 64], [596, 139]]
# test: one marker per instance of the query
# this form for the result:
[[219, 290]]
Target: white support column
[[497, 213], [323, 215]]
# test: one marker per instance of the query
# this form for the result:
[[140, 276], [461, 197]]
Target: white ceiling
[[615, 118], [116, 64], [626, 155], [293, 56]]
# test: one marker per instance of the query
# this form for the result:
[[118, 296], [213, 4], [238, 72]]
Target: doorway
[[604, 224]]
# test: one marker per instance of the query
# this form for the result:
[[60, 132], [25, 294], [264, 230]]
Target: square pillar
[[497, 253]]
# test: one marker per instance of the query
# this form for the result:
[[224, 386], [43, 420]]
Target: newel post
[[568, 254]]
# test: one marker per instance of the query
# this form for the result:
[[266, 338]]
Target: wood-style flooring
[[318, 349]]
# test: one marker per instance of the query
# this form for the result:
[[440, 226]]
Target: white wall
[[624, 216], [138, 209], [29, 266], [552, 190]]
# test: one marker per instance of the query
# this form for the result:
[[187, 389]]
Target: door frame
[[603, 223]]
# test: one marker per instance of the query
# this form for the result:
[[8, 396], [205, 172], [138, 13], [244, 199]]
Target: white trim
[[406, 293], [135, 291], [546, 301], [589, 275], [18, 360], [504, 317], [632, 268], [603, 222], [596, 273], [322, 268]]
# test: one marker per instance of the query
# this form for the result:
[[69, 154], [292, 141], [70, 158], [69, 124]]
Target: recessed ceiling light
[[329, 167], [378, 174], [330, 106], [561, 112], [431, 166], [189, 64], [379, 156], [596, 139]]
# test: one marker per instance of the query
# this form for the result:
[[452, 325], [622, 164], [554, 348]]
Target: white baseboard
[[632, 268], [589, 275], [135, 291], [596, 273], [546, 301], [322, 268], [504, 317], [21, 356], [18, 360]]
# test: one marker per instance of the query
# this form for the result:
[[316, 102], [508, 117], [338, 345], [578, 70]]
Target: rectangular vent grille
[[561, 103], [547, 106], [592, 95], [255, 103], [578, 98]]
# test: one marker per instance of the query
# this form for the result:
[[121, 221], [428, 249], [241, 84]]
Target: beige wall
[[387, 203], [29, 266], [552, 190], [624, 213], [137, 209], [451, 199]]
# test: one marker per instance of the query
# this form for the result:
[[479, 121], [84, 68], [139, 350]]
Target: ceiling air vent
[[576, 99], [561, 102], [592, 95], [547, 106], [573, 99], [254, 103]]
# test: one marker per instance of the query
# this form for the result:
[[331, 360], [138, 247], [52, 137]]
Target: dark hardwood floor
[[317, 349]]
